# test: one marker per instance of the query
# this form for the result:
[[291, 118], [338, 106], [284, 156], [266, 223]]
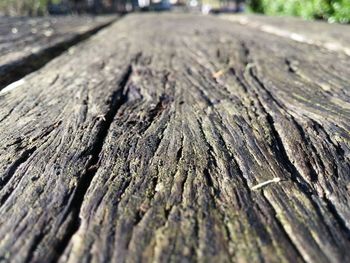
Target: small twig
[[219, 73], [222, 71], [274, 180], [101, 117]]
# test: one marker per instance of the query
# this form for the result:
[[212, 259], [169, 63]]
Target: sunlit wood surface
[[178, 138]]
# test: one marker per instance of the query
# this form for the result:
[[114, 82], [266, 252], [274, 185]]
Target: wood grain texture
[[145, 145], [334, 37], [26, 44]]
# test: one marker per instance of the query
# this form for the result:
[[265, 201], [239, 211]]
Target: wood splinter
[[274, 180]]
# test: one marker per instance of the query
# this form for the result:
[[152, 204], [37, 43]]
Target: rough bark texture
[[26, 44], [151, 143]]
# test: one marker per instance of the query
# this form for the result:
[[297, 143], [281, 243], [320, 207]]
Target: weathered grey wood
[[334, 37], [150, 143], [28, 43]]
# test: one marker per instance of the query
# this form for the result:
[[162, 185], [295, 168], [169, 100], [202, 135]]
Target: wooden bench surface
[[178, 138], [28, 43], [334, 37]]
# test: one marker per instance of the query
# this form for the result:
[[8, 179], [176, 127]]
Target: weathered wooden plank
[[49, 137], [146, 145], [28, 43], [335, 37]]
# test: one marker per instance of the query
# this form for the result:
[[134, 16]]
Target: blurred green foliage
[[330, 10], [25, 7]]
